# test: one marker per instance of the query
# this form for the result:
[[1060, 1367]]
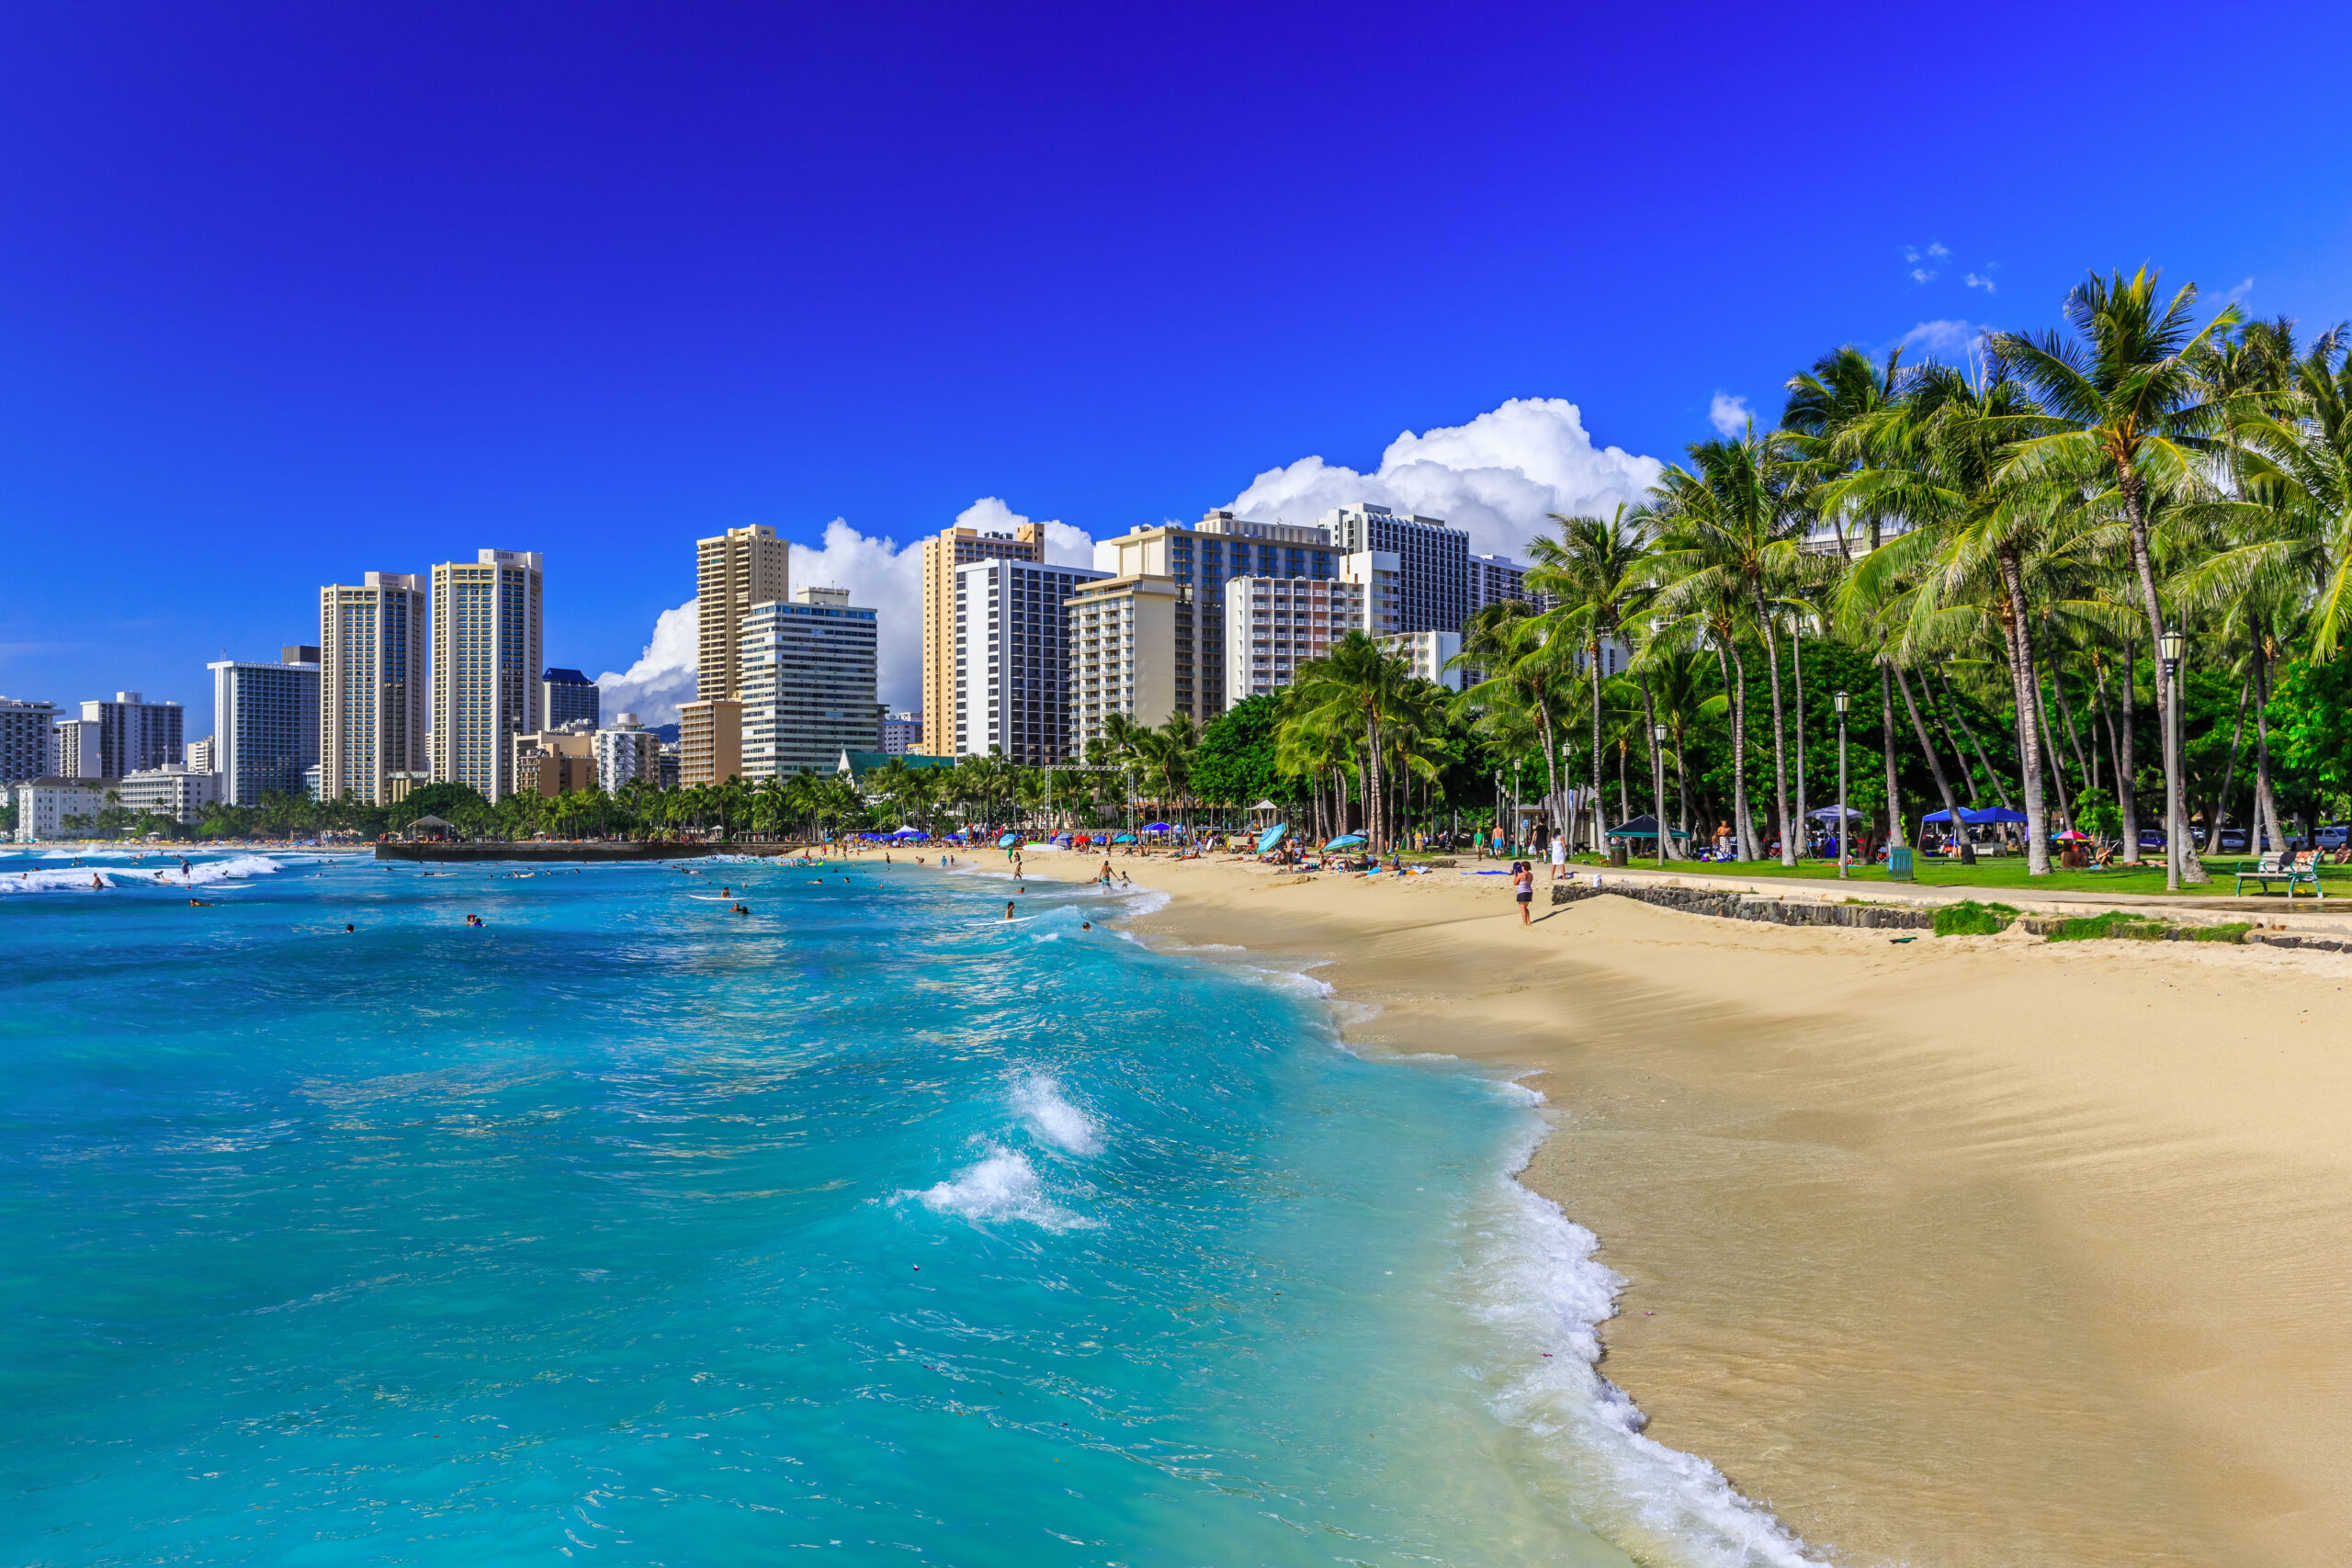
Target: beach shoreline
[[1950, 1252]]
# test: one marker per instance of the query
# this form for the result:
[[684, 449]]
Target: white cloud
[[2241, 291], [1729, 415], [1937, 252], [1978, 280], [663, 675], [1921, 274], [1496, 476], [1946, 338]]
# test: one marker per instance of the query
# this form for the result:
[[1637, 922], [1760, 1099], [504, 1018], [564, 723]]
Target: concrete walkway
[[2306, 913]]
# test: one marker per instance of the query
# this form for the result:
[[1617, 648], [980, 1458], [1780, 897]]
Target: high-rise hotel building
[[1277, 624], [26, 739], [1012, 658], [1433, 561], [809, 680], [488, 651], [372, 646], [942, 558], [733, 571], [265, 724]]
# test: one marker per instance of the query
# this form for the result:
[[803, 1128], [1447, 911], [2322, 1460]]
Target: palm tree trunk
[[1593, 673], [2127, 765], [1886, 750], [1796, 668], [2192, 869], [1551, 769], [2218, 815], [1927, 747], [2083, 759], [1780, 735], [1657, 762], [2049, 742], [2265, 794], [1992, 776], [1743, 827], [2023, 683]]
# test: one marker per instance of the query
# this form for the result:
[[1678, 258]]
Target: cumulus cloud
[[663, 675], [1496, 476], [1978, 280], [1729, 415]]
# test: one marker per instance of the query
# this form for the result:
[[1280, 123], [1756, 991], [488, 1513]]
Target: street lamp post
[[1843, 702], [2172, 646], [1658, 787]]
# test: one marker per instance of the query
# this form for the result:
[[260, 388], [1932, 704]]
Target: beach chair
[[2295, 868]]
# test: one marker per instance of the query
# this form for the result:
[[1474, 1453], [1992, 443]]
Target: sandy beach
[[1955, 1252]]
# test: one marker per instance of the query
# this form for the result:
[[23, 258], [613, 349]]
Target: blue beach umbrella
[[1008, 841], [1271, 836], [1346, 841], [1125, 839]]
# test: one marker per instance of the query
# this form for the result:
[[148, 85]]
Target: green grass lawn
[[2009, 872]]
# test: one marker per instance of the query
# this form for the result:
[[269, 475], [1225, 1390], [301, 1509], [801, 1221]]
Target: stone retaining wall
[[1753, 906]]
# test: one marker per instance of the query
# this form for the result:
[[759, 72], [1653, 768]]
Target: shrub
[[2113, 926], [1969, 918]]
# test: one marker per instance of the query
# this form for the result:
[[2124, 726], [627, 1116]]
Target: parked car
[[2334, 836], [2152, 838], [2234, 842]]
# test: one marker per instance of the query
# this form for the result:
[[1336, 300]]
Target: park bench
[[2294, 870]]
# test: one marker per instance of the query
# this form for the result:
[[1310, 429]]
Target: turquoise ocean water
[[623, 1228]]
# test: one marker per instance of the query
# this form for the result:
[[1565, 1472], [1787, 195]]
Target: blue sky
[[289, 292]]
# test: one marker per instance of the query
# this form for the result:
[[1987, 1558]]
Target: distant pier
[[425, 850]]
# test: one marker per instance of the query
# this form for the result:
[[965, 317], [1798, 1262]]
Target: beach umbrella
[[1007, 841], [1156, 828], [1346, 841], [1271, 836], [2073, 835], [1829, 813], [1125, 839]]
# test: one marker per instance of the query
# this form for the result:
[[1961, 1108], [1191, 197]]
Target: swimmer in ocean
[[1008, 909]]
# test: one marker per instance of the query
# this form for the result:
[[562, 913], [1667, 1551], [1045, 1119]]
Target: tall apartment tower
[[1012, 658], [954, 547], [372, 646], [265, 724], [73, 749], [1497, 580], [1198, 561], [733, 571], [133, 733], [25, 738], [488, 650], [567, 699], [809, 684], [1435, 560]]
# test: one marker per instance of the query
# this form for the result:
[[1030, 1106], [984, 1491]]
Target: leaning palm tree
[[2139, 423], [1528, 668]]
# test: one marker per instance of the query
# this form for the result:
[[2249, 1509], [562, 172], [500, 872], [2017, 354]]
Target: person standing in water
[[1008, 909]]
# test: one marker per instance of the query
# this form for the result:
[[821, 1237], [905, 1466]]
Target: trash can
[[1617, 852], [1898, 864]]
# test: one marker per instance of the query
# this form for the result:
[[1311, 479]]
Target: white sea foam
[[1038, 1099], [1003, 1186], [1539, 1285], [151, 873]]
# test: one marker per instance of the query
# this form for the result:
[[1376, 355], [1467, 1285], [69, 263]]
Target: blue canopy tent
[[1976, 818]]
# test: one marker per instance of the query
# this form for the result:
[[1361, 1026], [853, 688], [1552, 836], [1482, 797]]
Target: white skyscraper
[[486, 654], [1013, 657], [372, 646], [808, 671], [264, 724]]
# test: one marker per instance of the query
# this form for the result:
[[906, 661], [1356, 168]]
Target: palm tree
[[1599, 569], [1733, 521], [1529, 671], [1358, 682], [2139, 422]]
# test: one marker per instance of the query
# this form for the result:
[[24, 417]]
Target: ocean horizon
[[624, 1225]]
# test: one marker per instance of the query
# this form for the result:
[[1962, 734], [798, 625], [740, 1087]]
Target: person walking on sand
[[1559, 856], [1522, 882]]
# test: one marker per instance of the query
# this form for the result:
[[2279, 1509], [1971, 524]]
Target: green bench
[[2296, 870]]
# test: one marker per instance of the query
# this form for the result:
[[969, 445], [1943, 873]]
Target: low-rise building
[[553, 761], [58, 807], [173, 790], [201, 756], [1275, 625], [901, 732], [628, 750]]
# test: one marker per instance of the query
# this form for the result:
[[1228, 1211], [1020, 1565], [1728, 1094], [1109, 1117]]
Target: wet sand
[[1956, 1252]]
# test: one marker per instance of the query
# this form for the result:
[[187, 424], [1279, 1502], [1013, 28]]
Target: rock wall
[[1753, 906]]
